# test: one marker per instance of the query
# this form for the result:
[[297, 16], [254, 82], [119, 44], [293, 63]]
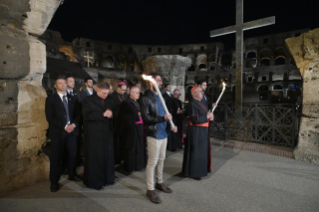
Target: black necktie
[[65, 103]]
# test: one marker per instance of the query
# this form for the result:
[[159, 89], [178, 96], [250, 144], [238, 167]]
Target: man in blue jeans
[[155, 121]]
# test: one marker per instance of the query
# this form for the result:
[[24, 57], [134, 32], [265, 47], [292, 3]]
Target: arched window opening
[[202, 67], [265, 62], [192, 68], [277, 87]]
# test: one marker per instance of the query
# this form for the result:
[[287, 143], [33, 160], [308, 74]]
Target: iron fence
[[275, 124]]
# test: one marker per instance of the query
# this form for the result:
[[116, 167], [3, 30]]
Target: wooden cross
[[239, 29], [88, 57]]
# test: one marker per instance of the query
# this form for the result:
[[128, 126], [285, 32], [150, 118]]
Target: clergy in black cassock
[[131, 133], [118, 97], [174, 106], [197, 152], [98, 132]]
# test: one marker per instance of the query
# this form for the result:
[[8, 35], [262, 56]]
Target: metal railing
[[275, 124]]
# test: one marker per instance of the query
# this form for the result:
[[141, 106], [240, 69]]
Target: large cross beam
[[239, 29]]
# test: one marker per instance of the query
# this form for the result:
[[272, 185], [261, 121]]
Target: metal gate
[[263, 123]]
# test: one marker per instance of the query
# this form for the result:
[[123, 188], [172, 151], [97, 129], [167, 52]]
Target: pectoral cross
[[88, 58], [239, 28]]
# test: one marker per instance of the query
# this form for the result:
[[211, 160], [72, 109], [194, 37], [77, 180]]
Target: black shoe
[[54, 187], [75, 178], [98, 188]]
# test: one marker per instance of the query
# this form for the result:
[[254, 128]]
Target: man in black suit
[[70, 83], [88, 90], [167, 94], [63, 114]]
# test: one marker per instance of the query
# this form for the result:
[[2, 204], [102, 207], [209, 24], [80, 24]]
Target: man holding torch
[[155, 118], [197, 153]]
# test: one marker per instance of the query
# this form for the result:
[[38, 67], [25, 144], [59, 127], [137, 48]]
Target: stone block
[[171, 67]]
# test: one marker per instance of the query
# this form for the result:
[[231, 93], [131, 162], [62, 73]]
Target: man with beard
[[131, 133], [88, 90], [118, 97], [197, 152], [155, 120], [175, 108], [98, 133]]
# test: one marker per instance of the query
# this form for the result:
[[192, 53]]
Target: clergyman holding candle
[[155, 120]]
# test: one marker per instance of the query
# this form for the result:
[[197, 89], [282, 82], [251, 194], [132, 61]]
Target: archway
[[251, 60], [280, 56], [265, 56], [202, 67]]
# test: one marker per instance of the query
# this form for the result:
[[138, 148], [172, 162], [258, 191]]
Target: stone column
[[172, 67], [305, 51], [22, 119]]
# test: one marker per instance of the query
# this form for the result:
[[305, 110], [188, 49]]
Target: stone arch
[[68, 51], [277, 87], [107, 62], [202, 67], [263, 87], [201, 59], [280, 56], [265, 55], [251, 59]]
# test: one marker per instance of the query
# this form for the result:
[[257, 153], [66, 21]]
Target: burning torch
[[220, 96], [149, 78]]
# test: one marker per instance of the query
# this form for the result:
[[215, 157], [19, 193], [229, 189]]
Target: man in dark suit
[[167, 94], [203, 85], [63, 114], [70, 83], [88, 90]]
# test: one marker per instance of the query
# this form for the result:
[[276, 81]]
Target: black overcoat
[[99, 147]]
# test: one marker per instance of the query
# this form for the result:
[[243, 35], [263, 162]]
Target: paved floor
[[240, 181]]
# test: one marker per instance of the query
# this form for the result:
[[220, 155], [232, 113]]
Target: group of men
[[121, 128]]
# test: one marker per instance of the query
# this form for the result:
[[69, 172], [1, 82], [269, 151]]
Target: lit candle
[[220, 96], [150, 78]]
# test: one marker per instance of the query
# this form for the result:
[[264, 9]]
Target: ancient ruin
[[305, 51], [23, 63], [32, 58]]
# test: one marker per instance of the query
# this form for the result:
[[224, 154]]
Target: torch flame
[[148, 78]]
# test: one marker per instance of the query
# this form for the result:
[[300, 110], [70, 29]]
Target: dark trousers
[[58, 146]]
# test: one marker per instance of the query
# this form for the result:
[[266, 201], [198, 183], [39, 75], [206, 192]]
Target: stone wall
[[172, 68], [305, 50], [23, 61]]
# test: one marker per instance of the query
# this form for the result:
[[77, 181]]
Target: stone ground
[[240, 181]]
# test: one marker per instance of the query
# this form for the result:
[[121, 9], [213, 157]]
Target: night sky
[[176, 21]]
